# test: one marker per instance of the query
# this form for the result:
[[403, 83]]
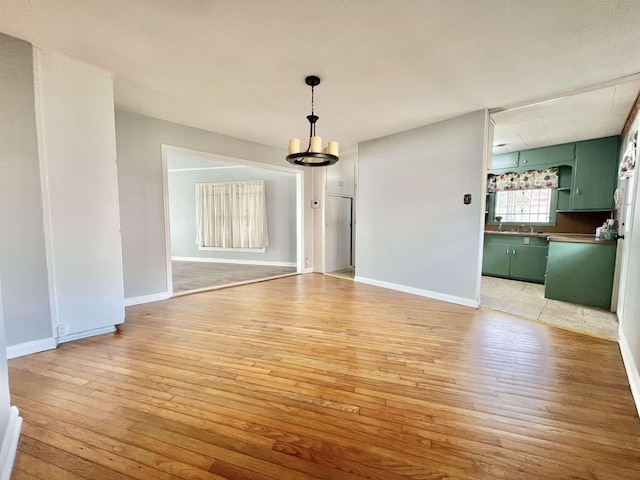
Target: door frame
[[167, 149], [351, 227]]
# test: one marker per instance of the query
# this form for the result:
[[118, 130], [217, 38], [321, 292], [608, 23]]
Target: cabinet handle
[[507, 251], [514, 252]]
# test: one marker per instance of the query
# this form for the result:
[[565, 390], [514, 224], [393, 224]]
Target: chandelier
[[315, 155]]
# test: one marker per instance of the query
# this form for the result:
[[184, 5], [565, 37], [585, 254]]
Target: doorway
[[192, 267], [339, 236]]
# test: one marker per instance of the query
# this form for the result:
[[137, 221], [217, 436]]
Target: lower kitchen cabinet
[[581, 273], [510, 257]]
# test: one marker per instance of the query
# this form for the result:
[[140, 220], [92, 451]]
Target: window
[[231, 215], [524, 206], [528, 197]]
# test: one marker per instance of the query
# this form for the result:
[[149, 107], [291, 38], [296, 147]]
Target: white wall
[[22, 248], [76, 128], [281, 213], [414, 232], [139, 141]]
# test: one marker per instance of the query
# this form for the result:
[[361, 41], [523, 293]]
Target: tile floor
[[527, 300]]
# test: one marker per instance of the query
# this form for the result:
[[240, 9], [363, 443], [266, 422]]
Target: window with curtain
[[231, 215], [524, 198]]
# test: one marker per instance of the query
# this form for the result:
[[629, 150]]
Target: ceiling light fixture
[[315, 155]]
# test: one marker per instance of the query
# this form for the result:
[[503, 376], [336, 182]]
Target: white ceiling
[[237, 67], [593, 114]]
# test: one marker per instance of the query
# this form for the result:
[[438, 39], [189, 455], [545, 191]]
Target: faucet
[[499, 220]]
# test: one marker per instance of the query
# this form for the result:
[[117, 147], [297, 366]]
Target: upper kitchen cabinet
[[341, 177], [544, 157], [505, 160], [549, 156], [594, 177]]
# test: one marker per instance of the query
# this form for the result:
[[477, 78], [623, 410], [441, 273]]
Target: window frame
[[553, 210]]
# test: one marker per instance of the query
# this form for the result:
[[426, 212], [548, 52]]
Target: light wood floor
[[317, 377], [188, 276]]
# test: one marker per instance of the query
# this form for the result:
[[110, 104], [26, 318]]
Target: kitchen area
[[555, 213]]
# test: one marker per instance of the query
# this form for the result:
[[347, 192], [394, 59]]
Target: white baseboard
[[467, 302], [86, 333], [10, 444], [128, 302], [240, 262], [34, 346], [308, 270], [632, 369]]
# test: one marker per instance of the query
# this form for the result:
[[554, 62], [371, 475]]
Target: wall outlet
[[62, 330], [306, 261]]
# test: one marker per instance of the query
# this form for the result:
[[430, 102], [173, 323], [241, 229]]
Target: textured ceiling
[[593, 114], [237, 67]]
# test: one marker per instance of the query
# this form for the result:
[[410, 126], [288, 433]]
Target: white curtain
[[231, 215]]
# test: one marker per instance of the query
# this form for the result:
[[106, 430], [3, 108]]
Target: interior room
[[519, 135], [451, 187], [196, 267]]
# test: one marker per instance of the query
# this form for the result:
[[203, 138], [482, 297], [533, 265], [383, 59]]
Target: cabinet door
[[554, 155], [348, 187], [528, 262], [334, 178], [595, 174], [495, 259], [580, 273], [504, 160]]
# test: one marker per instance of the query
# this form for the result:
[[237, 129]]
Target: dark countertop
[[517, 234], [577, 238], [555, 237]]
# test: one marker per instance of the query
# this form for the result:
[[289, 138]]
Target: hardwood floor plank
[[315, 377]]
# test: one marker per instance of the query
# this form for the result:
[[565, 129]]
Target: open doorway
[[340, 213], [339, 236], [551, 268], [194, 266]]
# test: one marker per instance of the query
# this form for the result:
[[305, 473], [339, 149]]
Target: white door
[[338, 245], [624, 250]]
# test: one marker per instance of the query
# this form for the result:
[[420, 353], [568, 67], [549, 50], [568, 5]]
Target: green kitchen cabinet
[[496, 259], [594, 178], [504, 160], [508, 256], [549, 156], [581, 273], [529, 262]]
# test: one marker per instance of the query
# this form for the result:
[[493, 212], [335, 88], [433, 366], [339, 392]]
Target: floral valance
[[529, 180], [628, 163]]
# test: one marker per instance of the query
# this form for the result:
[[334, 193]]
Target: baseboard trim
[[86, 333], [308, 270], [155, 297], [10, 444], [239, 262], [34, 346], [418, 291], [632, 369]]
